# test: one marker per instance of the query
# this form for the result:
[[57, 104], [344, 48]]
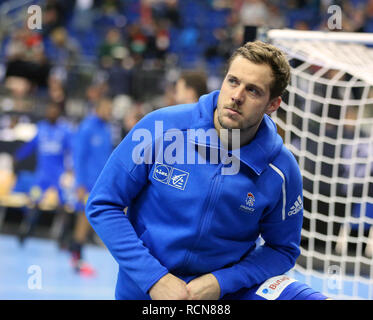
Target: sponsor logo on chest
[[171, 176]]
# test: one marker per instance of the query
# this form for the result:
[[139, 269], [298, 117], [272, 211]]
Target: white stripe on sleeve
[[283, 189]]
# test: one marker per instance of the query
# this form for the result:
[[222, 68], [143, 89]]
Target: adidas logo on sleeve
[[298, 206]]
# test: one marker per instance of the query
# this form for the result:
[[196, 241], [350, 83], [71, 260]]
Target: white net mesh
[[326, 120]]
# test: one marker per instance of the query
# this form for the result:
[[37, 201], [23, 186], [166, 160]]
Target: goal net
[[326, 120]]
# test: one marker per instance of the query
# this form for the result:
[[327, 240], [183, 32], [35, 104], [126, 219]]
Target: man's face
[[184, 94], [53, 112], [245, 96], [104, 110]]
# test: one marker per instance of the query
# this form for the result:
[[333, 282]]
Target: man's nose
[[238, 95]]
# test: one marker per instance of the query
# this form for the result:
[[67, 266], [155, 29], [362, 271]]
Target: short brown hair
[[197, 80], [264, 53]]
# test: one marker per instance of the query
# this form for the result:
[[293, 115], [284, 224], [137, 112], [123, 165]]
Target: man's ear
[[273, 105]]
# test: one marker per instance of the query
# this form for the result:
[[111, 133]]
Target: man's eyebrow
[[232, 76]]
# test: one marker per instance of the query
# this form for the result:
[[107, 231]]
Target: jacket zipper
[[205, 215]]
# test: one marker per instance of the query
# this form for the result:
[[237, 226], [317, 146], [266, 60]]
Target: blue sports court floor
[[57, 281]]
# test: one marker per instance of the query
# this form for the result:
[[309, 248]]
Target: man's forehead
[[247, 71]]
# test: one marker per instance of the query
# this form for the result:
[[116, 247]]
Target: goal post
[[326, 120]]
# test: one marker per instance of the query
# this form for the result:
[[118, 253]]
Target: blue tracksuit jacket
[[190, 219], [93, 146]]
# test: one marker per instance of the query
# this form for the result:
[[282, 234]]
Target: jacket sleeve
[[118, 184], [280, 228], [26, 149]]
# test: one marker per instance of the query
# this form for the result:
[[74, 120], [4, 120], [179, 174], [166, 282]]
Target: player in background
[[190, 230], [190, 86], [52, 144], [93, 146]]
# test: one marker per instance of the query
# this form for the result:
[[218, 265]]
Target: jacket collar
[[258, 153]]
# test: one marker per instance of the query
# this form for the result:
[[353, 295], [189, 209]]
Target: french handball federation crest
[[250, 199]]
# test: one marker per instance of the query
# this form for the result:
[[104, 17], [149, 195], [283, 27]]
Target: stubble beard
[[240, 126], [246, 130]]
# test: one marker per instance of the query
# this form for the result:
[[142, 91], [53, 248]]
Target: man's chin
[[229, 124]]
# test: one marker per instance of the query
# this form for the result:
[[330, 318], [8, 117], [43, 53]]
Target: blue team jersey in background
[[52, 144], [93, 146]]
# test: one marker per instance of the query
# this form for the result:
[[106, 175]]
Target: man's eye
[[253, 91], [232, 81]]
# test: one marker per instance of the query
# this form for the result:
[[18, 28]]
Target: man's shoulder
[[89, 123], [183, 116], [286, 164], [172, 117]]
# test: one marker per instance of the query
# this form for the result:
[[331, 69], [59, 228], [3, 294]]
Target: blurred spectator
[[138, 42], [276, 19], [146, 17], [172, 12], [120, 76], [84, 15], [27, 66], [190, 86], [159, 42], [109, 13], [25, 44], [167, 10], [66, 53], [254, 13], [66, 64], [111, 48], [55, 14], [222, 46], [116, 63], [353, 16]]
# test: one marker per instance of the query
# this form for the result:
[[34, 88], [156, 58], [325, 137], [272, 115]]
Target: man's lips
[[233, 111]]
